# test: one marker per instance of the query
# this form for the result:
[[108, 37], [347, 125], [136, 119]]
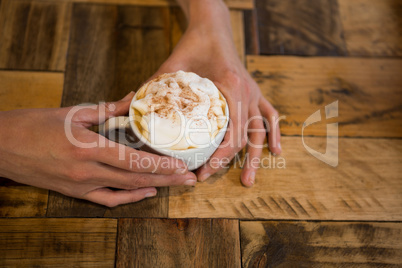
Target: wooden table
[[304, 55]]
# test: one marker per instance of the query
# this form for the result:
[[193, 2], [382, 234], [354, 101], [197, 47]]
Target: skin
[[207, 48], [42, 155]]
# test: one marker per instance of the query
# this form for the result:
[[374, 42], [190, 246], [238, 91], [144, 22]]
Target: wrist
[[210, 21], [210, 14]]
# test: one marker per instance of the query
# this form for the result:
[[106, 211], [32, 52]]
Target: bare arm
[[37, 149]]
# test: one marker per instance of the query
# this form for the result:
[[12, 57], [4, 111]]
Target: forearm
[[207, 16]]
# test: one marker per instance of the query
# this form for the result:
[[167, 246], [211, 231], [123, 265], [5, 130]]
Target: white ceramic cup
[[194, 157]]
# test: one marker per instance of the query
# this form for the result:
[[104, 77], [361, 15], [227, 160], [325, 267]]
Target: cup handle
[[115, 123]]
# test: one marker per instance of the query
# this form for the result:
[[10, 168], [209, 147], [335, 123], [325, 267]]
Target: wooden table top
[[303, 54]]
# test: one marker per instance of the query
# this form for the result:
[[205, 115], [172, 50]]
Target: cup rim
[[138, 134]]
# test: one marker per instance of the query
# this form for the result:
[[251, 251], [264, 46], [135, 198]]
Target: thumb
[[97, 114]]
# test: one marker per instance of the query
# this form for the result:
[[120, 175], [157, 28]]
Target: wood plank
[[57, 242], [368, 92], [17, 200], [252, 40], [288, 27], [371, 27], [126, 43], [237, 22], [235, 4], [34, 35], [24, 90], [112, 50], [178, 243], [366, 185], [313, 244]]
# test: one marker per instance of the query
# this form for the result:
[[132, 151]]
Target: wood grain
[[24, 90], [57, 242], [17, 200], [34, 35], [235, 4], [368, 92], [303, 27], [371, 27], [178, 243], [112, 50], [318, 244], [365, 185]]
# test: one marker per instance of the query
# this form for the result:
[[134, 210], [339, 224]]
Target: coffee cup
[[194, 157]]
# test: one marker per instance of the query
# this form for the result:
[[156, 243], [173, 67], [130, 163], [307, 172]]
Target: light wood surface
[[368, 92], [24, 90], [178, 243], [317, 244], [372, 27], [34, 34], [57, 242], [366, 185], [288, 27]]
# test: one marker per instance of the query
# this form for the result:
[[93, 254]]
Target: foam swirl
[[180, 111]]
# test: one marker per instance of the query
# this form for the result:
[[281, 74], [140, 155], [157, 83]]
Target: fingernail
[[205, 176], [190, 182], [279, 146], [150, 194], [251, 179], [181, 171]]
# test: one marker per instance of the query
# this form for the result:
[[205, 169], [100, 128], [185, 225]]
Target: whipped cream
[[179, 111]]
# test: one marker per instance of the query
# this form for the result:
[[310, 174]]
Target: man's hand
[[207, 48], [35, 150]]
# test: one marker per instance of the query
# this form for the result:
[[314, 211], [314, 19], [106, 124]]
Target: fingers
[[97, 114], [112, 198], [222, 156], [235, 139], [274, 136], [117, 178], [257, 134], [126, 158], [278, 138], [256, 138], [99, 149]]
